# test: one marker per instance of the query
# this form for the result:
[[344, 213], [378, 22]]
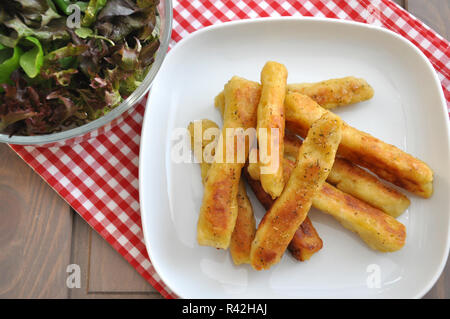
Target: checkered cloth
[[99, 177]]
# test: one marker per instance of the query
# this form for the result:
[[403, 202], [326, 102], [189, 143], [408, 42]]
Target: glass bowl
[[115, 116]]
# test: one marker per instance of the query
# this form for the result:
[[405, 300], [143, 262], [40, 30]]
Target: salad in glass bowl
[[66, 63]]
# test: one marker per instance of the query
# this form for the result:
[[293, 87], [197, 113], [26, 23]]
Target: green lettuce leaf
[[8, 64], [92, 10], [32, 60], [51, 32]]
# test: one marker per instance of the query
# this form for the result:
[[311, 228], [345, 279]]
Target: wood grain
[[105, 273], [435, 14], [441, 289], [400, 2], [35, 233]]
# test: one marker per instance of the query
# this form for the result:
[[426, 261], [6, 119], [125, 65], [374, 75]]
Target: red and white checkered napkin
[[99, 177]]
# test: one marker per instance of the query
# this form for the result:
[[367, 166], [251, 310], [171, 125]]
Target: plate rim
[[229, 24]]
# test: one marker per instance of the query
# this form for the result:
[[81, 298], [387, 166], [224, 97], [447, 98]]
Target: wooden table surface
[[40, 235]]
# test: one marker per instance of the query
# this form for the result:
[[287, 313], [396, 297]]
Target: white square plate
[[408, 110]]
